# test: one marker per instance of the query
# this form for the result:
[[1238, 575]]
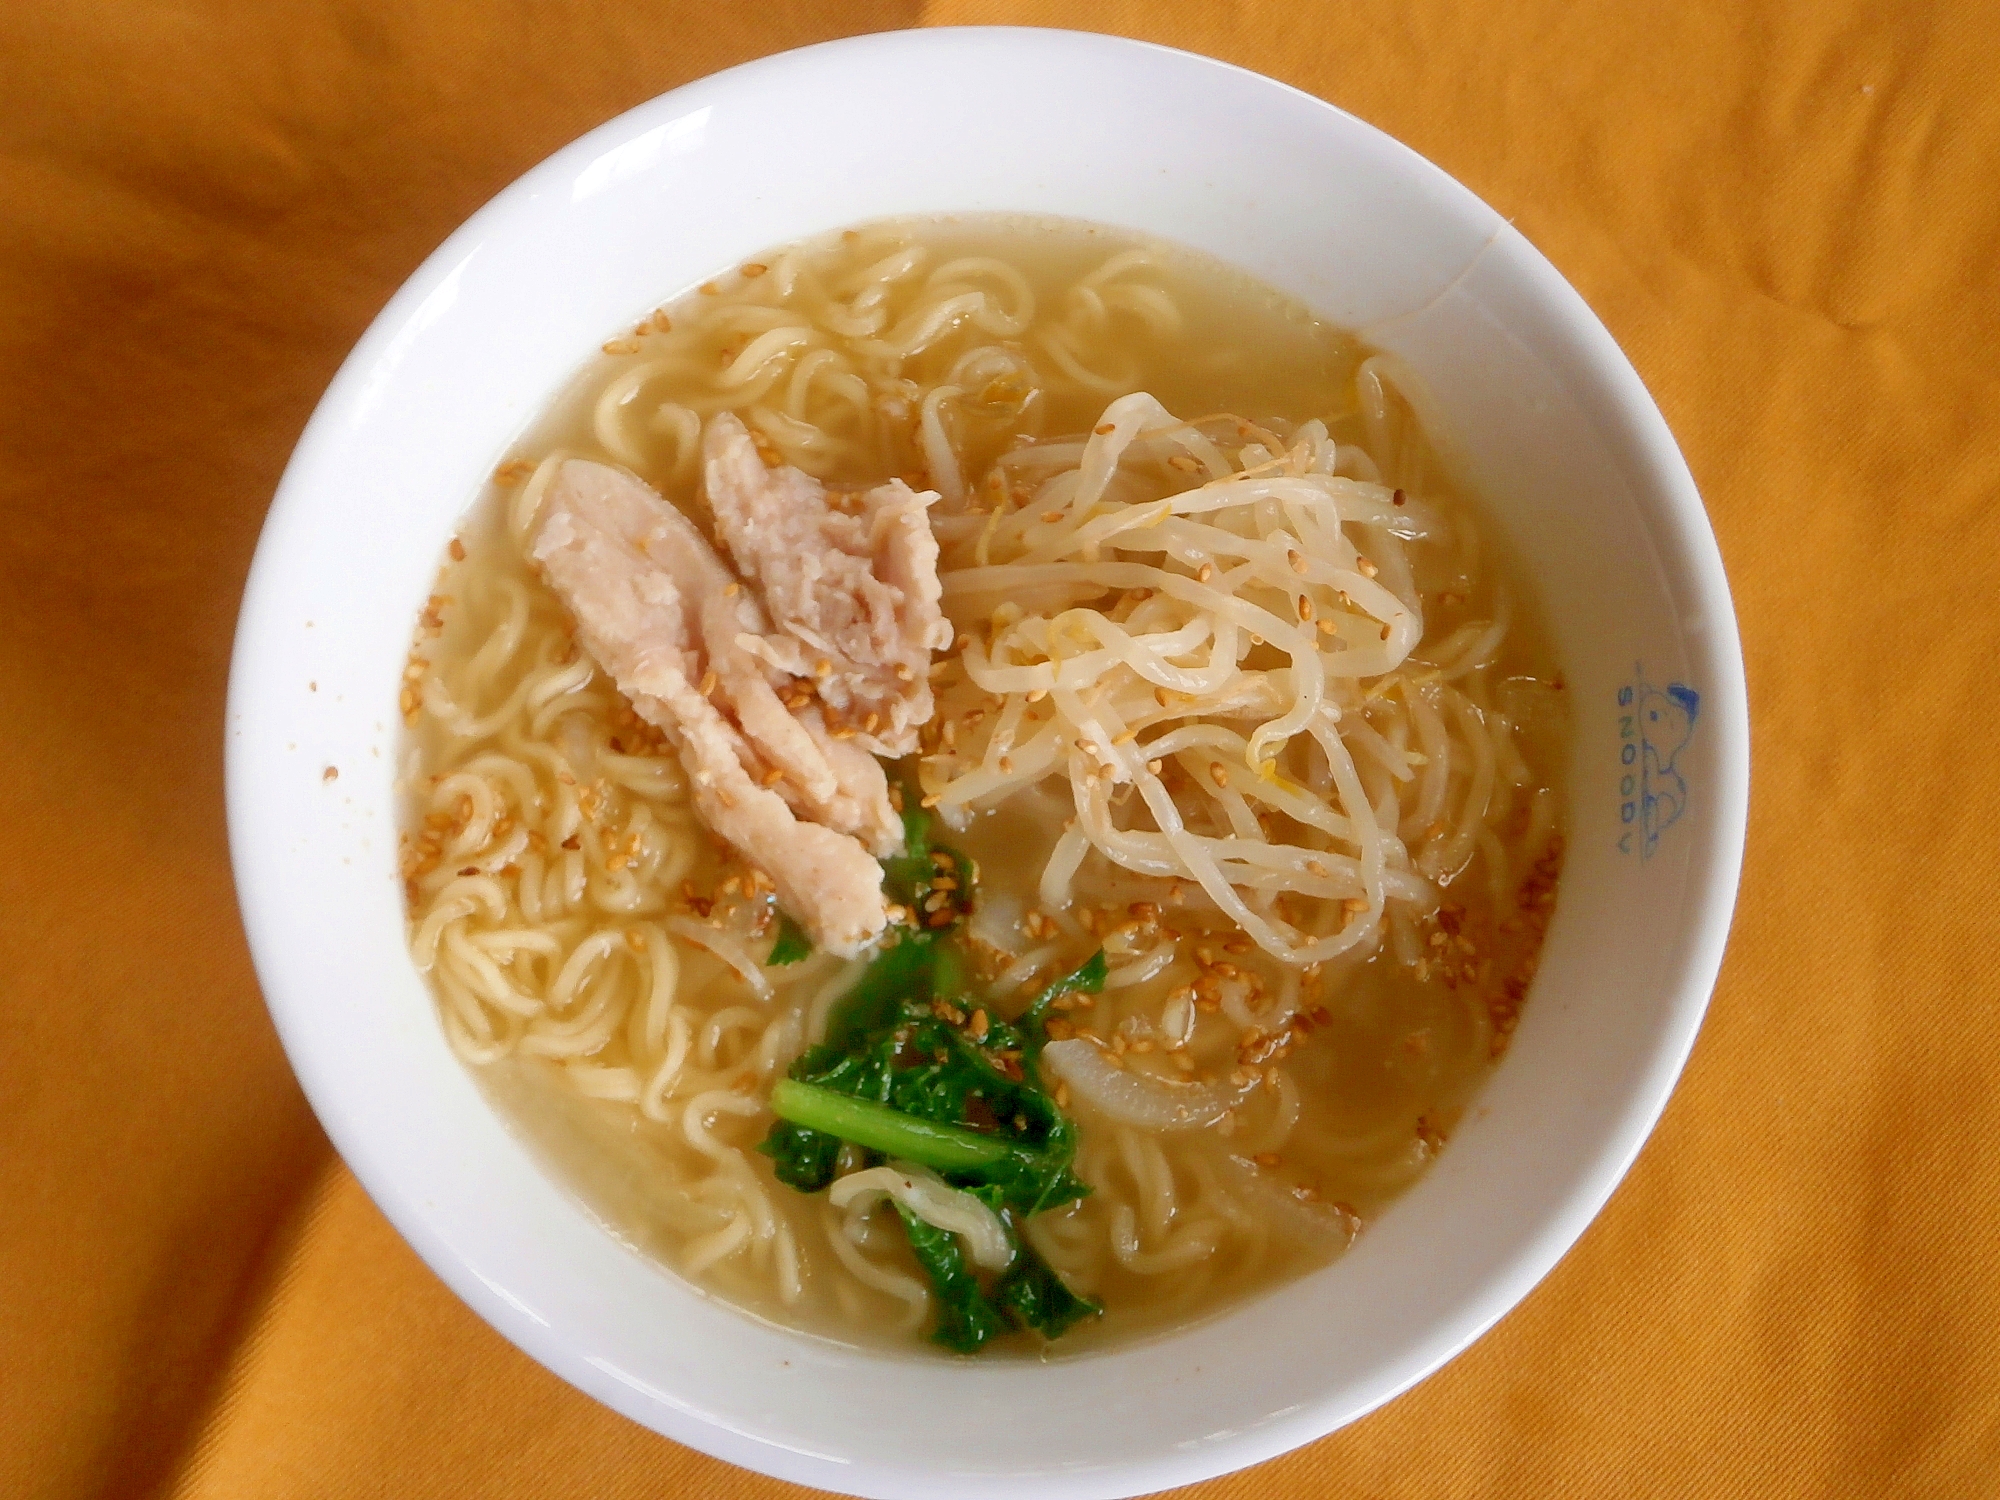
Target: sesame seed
[[1155, 766], [1205, 572], [1102, 428], [732, 591], [1365, 568], [1398, 498], [457, 550], [1354, 904], [1298, 563], [754, 269], [1267, 1159], [708, 682], [1052, 516], [1218, 773], [1006, 765]]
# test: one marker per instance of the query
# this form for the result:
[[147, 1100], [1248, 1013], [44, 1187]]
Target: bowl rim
[[1600, 372]]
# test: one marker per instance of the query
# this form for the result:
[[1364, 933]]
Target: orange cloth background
[[1789, 215]]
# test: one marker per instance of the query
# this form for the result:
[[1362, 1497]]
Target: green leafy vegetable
[[966, 1319], [1087, 979], [1035, 1297], [801, 1157], [792, 945], [945, 1148], [915, 1067], [937, 886]]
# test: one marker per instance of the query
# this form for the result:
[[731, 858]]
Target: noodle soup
[[1240, 704]]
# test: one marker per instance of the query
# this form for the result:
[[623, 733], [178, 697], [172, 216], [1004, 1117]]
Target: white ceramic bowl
[[1553, 425]]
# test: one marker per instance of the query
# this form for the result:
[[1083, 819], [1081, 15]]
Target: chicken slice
[[656, 608], [850, 581]]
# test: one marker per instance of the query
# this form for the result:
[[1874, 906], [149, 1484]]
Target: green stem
[[945, 1148]]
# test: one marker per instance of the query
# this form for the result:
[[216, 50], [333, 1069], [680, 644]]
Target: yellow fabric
[[1786, 213]]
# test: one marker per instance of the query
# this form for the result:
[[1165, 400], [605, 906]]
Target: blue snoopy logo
[[1656, 727]]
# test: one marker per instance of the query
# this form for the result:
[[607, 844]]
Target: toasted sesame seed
[[1298, 563], [1155, 766], [708, 682], [1267, 1159], [754, 269], [732, 591], [1354, 904], [1203, 573], [457, 550], [1398, 498], [1365, 568], [1006, 764], [1218, 773]]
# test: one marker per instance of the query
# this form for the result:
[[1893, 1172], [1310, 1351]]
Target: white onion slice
[[1311, 1223], [933, 1200], [1133, 1099]]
